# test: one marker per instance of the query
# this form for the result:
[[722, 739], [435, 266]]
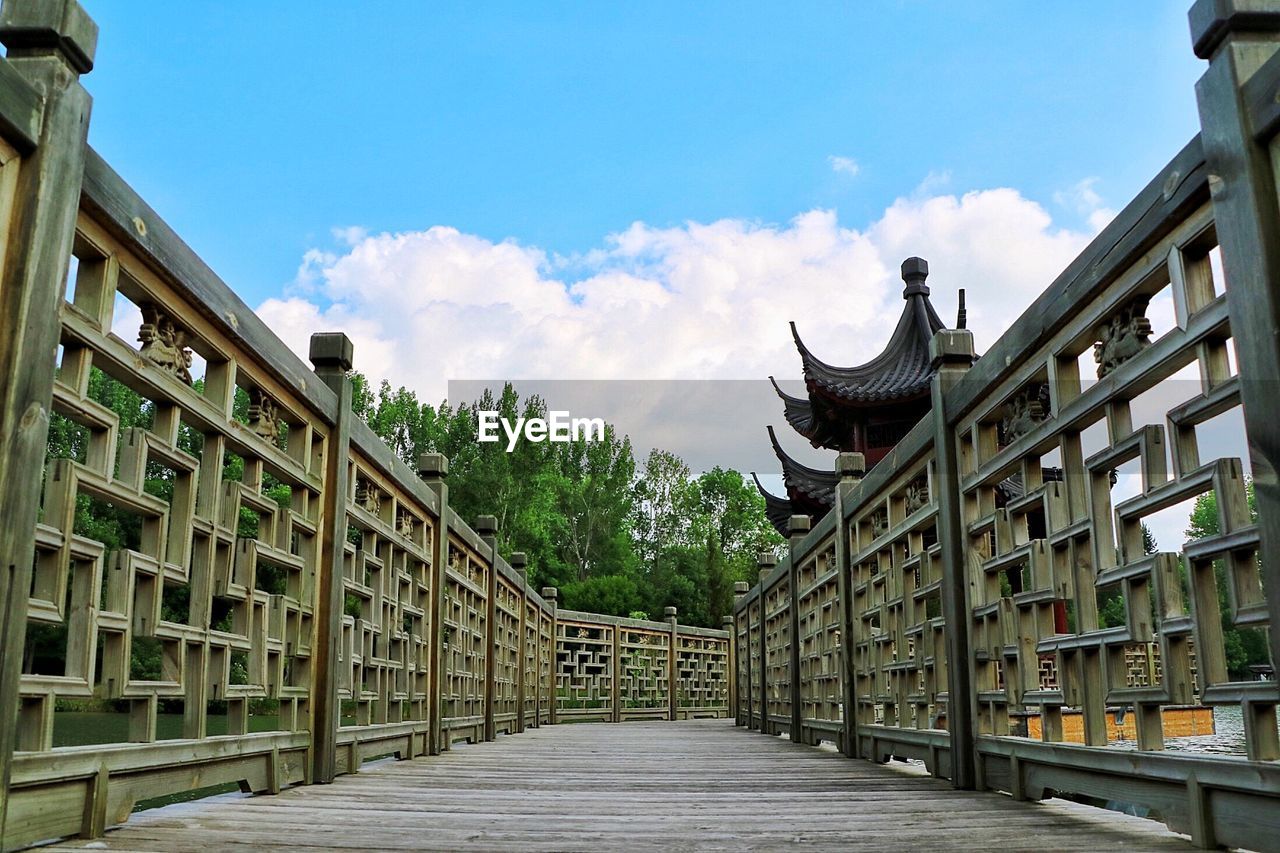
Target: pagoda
[[865, 409]]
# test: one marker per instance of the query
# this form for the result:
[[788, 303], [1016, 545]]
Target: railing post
[[673, 677], [798, 528], [615, 675], [850, 467], [51, 44], [331, 355], [1238, 38], [952, 353], [730, 626], [487, 527], [550, 595], [765, 564], [433, 469], [520, 563], [742, 669]]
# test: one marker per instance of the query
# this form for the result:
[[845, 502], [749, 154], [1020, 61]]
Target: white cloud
[[844, 165], [1085, 201], [702, 300]]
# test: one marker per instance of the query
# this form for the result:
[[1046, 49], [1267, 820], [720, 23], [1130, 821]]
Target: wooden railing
[[279, 597], [952, 596]]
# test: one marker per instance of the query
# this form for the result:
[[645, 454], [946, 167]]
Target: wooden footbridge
[[642, 786], [282, 603]]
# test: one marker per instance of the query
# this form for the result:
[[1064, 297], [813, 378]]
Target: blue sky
[[257, 128], [609, 191]]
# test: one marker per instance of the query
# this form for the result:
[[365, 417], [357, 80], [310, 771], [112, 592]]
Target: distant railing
[[950, 604], [239, 581]]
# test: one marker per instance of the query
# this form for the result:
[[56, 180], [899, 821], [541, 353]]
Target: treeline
[[615, 534]]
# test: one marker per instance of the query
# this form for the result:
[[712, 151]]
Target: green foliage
[[616, 594], [1246, 646], [612, 538]]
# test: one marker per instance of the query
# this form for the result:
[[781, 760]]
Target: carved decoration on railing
[[163, 343], [879, 523], [1126, 334], [1026, 410], [368, 496], [264, 416], [406, 524], [917, 494]]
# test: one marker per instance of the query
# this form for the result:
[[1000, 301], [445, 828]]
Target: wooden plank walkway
[[700, 785]]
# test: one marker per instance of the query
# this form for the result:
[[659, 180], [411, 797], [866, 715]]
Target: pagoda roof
[[902, 370], [803, 482], [777, 510], [797, 410]]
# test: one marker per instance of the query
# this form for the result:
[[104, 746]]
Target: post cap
[[519, 559], [849, 464], [952, 346], [766, 560], [486, 525], [669, 612], [741, 587], [1213, 20], [433, 465], [332, 350], [914, 272], [728, 620], [798, 525], [550, 593], [33, 26]]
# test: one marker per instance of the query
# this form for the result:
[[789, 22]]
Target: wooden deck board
[[635, 786]]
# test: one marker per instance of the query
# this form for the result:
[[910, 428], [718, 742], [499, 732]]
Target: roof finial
[[962, 316], [914, 272]]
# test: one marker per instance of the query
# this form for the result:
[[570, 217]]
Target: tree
[[730, 521], [1243, 647]]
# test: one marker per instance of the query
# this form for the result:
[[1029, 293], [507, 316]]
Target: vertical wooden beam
[[51, 44], [331, 355], [487, 527], [850, 467], [798, 528], [615, 675], [550, 595], [673, 677], [520, 562], [765, 564], [1237, 37], [433, 469], [730, 625], [742, 669], [952, 353]]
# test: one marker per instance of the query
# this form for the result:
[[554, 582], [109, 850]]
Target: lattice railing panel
[[507, 667], [755, 653], [895, 583], [702, 672], [1066, 569], [584, 666], [742, 639], [529, 661], [777, 649], [466, 633], [177, 549], [384, 647], [644, 668], [546, 665], [821, 691]]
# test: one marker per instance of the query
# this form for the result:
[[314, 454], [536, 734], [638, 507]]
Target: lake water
[[1227, 739]]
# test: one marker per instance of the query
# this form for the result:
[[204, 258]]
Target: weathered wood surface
[[689, 785]]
